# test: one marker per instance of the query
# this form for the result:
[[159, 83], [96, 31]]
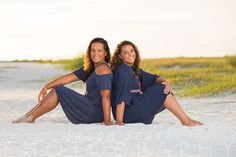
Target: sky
[[61, 29]]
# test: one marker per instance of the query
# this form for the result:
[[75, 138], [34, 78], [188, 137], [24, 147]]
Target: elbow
[[106, 97]]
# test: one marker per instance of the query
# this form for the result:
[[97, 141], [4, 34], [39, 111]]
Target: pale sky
[[58, 29]]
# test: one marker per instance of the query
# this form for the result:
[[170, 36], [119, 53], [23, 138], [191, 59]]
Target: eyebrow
[[126, 50], [98, 49]]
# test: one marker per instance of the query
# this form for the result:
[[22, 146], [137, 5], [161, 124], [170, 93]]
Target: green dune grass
[[189, 76], [196, 76], [67, 64]]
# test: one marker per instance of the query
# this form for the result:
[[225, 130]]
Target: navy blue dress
[[84, 108], [143, 99]]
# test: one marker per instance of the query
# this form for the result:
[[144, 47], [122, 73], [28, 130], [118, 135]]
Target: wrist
[[165, 82], [107, 119], [119, 120]]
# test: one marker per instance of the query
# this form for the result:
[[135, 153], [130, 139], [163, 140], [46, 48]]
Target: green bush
[[232, 61], [75, 63]]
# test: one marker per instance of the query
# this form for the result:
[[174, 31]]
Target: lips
[[131, 58], [96, 57]]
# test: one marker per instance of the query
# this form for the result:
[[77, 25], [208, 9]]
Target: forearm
[[161, 80], [106, 107], [166, 83], [120, 108], [65, 79]]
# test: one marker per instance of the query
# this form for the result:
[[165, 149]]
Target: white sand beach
[[54, 136]]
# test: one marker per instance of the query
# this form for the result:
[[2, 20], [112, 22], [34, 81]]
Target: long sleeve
[[147, 79], [122, 85]]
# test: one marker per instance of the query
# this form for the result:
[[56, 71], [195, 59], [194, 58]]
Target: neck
[[97, 64], [128, 64]]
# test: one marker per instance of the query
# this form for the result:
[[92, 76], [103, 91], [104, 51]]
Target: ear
[[120, 56]]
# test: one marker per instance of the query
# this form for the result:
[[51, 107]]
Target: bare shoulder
[[103, 69]]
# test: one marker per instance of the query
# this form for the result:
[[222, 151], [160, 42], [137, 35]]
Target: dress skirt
[[77, 107]]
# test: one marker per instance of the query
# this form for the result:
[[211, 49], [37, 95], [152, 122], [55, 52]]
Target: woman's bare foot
[[192, 122], [24, 119]]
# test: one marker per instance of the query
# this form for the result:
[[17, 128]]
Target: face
[[97, 52], [127, 54]]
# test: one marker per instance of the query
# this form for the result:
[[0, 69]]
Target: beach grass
[[196, 76], [189, 76], [67, 64], [232, 60], [74, 63]]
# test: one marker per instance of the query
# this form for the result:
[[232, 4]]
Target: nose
[[95, 53], [131, 54]]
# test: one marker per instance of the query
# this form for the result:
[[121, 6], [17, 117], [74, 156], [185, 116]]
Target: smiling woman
[[94, 107], [137, 96]]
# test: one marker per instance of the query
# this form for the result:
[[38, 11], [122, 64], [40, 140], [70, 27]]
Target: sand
[[53, 135]]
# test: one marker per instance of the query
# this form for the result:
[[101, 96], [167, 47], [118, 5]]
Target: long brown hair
[[116, 60], [88, 63]]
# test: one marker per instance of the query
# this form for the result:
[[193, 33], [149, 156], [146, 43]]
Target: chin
[[131, 62], [96, 61]]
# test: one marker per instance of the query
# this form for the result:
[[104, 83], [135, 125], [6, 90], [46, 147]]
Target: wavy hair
[[88, 66], [116, 60]]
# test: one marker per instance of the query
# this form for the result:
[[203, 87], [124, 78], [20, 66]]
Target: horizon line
[[51, 59]]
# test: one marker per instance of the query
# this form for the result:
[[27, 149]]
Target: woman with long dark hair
[[94, 107], [137, 96]]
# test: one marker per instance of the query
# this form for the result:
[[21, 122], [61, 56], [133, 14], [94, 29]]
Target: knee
[[58, 88], [53, 91], [158, 87]]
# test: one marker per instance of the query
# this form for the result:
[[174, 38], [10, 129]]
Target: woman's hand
[[120, 109], [42, 94], [120, 123], [65, 79], [167, 84], [168, 88], [107, 123]]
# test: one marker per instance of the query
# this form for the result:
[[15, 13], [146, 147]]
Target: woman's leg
[[46, 105], [173, 106]]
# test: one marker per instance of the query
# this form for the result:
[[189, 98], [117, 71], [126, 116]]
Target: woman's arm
[[104, 85], [121, 90], [161, 80], [65, 79], [120, 108], [106, 106]]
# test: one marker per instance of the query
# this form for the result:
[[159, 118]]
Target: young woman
[[94, 107], [138, 96]]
